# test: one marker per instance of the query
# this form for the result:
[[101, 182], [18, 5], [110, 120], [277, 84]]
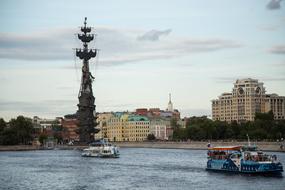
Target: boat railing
[[260, 157]]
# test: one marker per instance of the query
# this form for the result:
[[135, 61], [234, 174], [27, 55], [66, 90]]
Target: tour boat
[[101, 148], [242, 159]]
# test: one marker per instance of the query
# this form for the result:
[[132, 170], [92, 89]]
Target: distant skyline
[[194, 50]]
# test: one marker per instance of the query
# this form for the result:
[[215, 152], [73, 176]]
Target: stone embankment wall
[[266, 146], [19, 148]]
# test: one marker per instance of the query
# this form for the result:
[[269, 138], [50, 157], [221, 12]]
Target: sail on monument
[[86, 106]]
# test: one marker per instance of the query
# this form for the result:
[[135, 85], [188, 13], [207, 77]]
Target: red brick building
[[70, 128], [141, 111]]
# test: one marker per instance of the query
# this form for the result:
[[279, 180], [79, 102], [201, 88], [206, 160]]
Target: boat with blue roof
[[242, 159]]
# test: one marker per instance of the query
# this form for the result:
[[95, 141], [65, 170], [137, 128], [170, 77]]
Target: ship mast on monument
[[86, 107]]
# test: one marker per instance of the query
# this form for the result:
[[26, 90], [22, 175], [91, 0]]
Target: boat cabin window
[[235, 156], [218, 155], [249, 148], [257, 157]]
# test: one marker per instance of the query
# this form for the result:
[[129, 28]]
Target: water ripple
[[136, 169]]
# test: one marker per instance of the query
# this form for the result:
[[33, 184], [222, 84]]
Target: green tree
[[42, 137], [197, 133], [151, 137], [3, 124], [23, 128], [259, 134], [9, 137], [57, 132], [265, 116], [221, 128], [56, 127], [236, 129], [229, 133], [58, 136], [173, 123], [180, 134], [201, 128]]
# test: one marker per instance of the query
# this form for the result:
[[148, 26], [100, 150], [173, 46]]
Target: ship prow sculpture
[[86, 106]]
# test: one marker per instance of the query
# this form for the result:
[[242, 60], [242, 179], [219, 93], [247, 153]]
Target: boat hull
[[245, 167], [101, 156], [100, 153]]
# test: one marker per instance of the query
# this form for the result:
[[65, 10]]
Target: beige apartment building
[[247, 98], [111, 126], [137, 128], [276, 104], [102, 120], [123, 127], [115, 129]]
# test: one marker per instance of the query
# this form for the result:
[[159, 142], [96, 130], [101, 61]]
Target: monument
[[86, 114]]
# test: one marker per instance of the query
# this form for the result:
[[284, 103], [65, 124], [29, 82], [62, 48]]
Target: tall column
[[86, 105]]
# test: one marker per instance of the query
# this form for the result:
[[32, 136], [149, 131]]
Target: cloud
[[280, 49], [43, 108], [226, 79], [154, 35], [51, 108], [116, 46], [233, 79], [47, 45], [274, 79], [280, 64], [195, 112], [269, 27], [274, 4]]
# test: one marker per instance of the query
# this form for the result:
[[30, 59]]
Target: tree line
[[16, 131], [22, 131], [264, 127]]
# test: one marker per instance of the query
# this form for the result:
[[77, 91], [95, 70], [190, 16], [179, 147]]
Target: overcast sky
[[194, 50]]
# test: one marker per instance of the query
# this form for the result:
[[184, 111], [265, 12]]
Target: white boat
[[101, 148]]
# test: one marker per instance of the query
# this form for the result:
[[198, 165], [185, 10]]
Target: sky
[[194, 50]]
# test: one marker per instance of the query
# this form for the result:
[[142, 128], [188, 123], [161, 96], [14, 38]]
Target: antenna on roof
[[85, 21], [248, 141]]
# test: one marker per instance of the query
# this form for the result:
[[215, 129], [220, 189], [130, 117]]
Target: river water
[[137, 168]]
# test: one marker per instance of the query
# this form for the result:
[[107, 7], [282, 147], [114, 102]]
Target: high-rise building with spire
[[170, 104]]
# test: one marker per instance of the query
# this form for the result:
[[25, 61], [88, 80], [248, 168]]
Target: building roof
[[246, 80], [225, 148], [124, 117], [70, 116], [118, 114], [137, 118]]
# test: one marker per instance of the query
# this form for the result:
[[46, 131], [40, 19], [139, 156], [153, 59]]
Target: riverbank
[[19, 147], [31, 147], [195, 145]]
